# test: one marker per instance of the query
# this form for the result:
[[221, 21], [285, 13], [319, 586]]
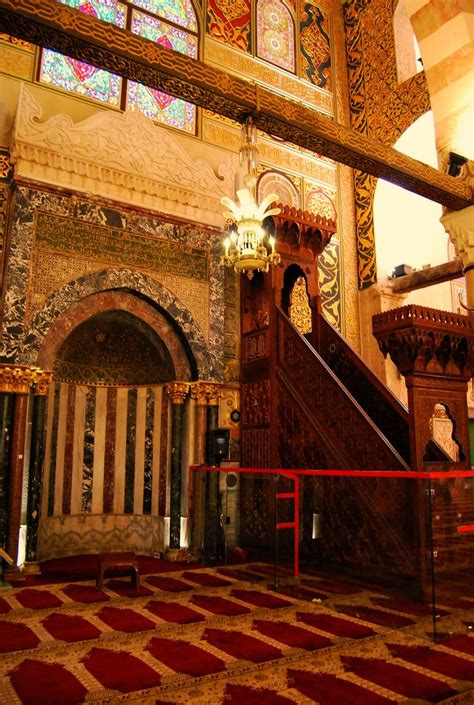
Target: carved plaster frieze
[[241, 64], [123, 156], [284, 156]]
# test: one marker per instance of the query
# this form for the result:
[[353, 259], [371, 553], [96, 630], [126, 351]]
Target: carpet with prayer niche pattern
[[216, 637]]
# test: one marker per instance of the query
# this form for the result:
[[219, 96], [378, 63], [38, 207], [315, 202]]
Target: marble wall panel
[[148, 451], [104, 449], [109, 454], [22, 339], [88, 440]]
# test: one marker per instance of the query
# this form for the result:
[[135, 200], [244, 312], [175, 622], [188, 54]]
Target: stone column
[[177, 391], [36, 470], [199, 393], [212, 479], [6, 421], [18, 380], [460, 227], [444, 34]]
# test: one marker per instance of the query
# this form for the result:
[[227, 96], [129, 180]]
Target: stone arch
[[144, 296]]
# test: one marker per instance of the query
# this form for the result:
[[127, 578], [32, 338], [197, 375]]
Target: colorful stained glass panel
[[178, 11], [102, 9], [78, 77], [275, 34], [155, 104]]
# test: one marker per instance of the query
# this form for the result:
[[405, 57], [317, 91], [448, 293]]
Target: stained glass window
[[276, 34], [91, 82], [77, 76], [178, 11], [153, 103]]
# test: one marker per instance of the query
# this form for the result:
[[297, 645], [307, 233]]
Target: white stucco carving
[[123, 156]]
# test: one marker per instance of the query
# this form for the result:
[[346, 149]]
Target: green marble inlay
[[115, 246]]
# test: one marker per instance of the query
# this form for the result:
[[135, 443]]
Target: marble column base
[[172, 554], [14, 573], [31, 568]]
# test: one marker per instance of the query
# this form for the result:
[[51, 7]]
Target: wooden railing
[[345, 425], [386, 411], [421, 317]]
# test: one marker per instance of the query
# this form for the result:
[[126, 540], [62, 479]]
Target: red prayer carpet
[[204, 636]]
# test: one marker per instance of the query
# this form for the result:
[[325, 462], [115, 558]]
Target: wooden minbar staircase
[[309, 401]]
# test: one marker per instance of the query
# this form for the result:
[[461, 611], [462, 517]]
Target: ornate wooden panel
[[385, 410], [346, 427]]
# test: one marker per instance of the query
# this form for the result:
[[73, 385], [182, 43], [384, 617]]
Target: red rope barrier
[[404, 474]]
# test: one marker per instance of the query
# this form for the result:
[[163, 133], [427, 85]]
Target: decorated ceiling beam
[[51, 24]]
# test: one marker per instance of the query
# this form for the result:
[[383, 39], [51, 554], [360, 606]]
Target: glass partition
[[404, 538]]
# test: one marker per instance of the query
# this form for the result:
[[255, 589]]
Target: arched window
[[171, 23], [276, 34]]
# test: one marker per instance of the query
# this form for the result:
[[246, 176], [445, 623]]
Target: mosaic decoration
[[330, 284], [372, 71], [77, 76], [315, 45], [157, 105], [105, 348], [275, 34], [231, 326], [228, 21], [274, 182], [75, 237], [21, 339], [178, 11], [320, 201]]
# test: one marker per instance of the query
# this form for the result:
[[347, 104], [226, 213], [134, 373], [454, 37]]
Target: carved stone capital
[[178, 391], [16, 379], [199, 392], [460, 227], [214, 393], [425, 340], [41, 381], [206, 393]]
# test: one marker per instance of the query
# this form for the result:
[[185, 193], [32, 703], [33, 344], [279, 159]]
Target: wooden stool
[[125, 560]]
